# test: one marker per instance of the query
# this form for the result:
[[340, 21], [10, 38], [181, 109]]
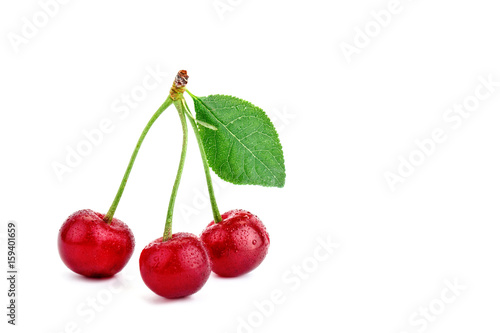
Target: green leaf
[[245, 149]]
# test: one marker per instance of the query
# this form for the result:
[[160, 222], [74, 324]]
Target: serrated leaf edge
[[279, 184]]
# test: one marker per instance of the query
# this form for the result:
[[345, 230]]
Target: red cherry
[[91, 247], [237, 244], [175, 268]]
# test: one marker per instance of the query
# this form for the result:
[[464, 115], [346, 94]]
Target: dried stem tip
[[179, 86], [181, 79]]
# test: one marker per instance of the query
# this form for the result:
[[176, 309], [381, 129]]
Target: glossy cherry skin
[[237, 244], [91, 247], [175, 268]]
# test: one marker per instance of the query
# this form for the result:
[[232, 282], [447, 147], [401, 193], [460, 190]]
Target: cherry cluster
[[175, 265]]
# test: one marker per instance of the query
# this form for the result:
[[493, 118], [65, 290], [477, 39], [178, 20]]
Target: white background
[[343, 125]]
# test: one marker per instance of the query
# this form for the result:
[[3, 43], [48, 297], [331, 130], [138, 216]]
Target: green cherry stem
[[213, 202], [167, 234], [111, 212]]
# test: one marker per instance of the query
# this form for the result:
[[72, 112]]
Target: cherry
[[175, 268], [175, 265], [90, 246], [237, 244], [98, 245]]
